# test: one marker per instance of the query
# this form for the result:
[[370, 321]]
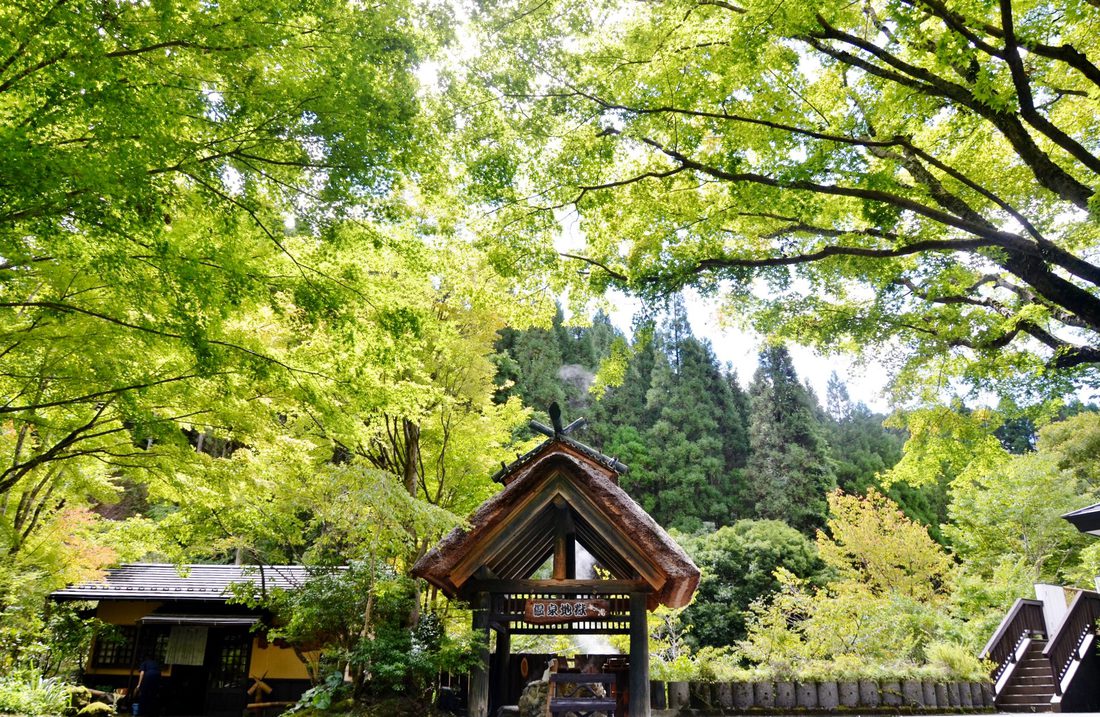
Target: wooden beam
[[478, 699], [639, 656], [563, 587], [565, 545]]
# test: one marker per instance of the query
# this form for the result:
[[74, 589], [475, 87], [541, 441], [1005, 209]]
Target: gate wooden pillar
[[639, 656], [478, 699]]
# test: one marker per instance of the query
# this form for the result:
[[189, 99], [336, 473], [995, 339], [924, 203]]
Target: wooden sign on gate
[[543, 611]]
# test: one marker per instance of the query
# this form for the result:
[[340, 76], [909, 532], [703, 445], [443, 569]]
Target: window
[[114, 647]]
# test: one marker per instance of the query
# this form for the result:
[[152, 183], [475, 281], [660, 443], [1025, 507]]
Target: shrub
[[26, 692]]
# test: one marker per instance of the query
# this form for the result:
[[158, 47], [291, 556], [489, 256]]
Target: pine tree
[[790, 467]]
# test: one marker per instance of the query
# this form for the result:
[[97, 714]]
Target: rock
[[532, 701]]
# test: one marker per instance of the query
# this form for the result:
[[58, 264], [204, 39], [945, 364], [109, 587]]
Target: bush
[[26, 692], [956, 662]]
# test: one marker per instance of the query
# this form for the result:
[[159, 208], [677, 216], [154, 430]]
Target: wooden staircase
[[1031, 685]]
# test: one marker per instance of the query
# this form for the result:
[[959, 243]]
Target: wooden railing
[[1080, 620], [1024, 620]]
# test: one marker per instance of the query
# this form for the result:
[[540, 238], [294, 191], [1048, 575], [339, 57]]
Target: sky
[[866, 383]]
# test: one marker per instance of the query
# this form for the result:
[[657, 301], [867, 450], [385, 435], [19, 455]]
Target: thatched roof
[[512, 533]]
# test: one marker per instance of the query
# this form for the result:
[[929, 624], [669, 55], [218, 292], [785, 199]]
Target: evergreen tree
[[528, 363], [626, 404], [790, 467], [696, 442]]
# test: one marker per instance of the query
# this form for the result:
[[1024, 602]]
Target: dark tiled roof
[[163, 581], [1087, 520]]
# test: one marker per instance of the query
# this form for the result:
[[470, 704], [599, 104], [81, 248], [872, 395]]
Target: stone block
[[764, 692], [912, 693], [657, 698], [784, 695], [891, 693], [805, 695], [869, 695], [848, 692], [928, 687], [700, 695], [828, 697], [967, 697], [678, 695], [953, 698], [742, 695], [723, 695]]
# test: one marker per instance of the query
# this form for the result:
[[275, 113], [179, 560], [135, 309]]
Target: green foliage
[[882, 613], [871, 543], [26, 691], [760, 154], [739, 563], [790, 461], [365, 621]]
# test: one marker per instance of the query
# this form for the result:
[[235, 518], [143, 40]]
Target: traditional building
[[212, 652], [560, 495]]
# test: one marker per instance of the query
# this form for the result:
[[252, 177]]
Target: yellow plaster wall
[[276, 663], [121, 612], [125, 612]]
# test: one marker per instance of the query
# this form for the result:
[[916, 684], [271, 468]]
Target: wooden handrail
[[1063, 648], [1024, 620]]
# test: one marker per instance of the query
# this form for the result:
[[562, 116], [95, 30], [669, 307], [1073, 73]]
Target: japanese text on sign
[[563, 610]]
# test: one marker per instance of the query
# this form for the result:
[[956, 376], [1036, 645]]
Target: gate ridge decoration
[[560, 495]]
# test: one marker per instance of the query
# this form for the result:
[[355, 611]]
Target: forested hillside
[[693, 432]]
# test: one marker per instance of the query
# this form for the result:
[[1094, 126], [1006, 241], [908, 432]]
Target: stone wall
[[730, 698]]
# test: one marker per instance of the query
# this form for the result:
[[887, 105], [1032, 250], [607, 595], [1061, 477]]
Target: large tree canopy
[[913, 173]]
